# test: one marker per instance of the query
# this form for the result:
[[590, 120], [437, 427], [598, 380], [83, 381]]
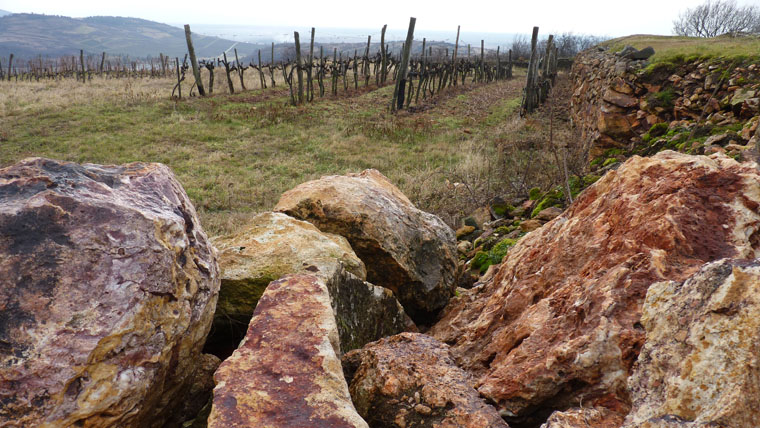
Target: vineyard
[[310, 74]]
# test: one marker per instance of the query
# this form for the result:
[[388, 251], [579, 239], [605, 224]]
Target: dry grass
[[235, 154], [668, 48]]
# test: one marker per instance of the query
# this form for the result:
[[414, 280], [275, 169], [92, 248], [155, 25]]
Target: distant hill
[[4, 12], [28, 35]]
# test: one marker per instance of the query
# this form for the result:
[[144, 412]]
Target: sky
[[598, 17]]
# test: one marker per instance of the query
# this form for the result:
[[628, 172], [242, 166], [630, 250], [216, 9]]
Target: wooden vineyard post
[[309, 80], [509, 65], [356, 72], [271, 66], [529, 94], [227, 71], [262, 80], [365, 70], [239, 70], [498, 63], [398, 94], [321, 72], [10, 65], [454, 59], [103, 60], [383, 56], [179, 79], [81, 62], [482, 63], [299, 67], [210, 67], [194, 61]]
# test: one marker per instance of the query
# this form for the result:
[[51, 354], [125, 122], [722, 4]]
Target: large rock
[[107, 291], [269, 247], [410, 380], [700, 365], [559, 323], [287, 371], [406, 250]]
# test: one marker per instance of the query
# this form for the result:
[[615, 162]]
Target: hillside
[[4, 12], [28, 35]]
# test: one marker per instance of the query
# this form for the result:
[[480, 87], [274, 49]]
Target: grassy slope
[[235, 154], [670, 48]]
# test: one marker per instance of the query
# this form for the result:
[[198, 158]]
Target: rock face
[[287, 371], [107, 291], [411, 380], [271, 246], [700, 364], [559, 322], [406, 250]]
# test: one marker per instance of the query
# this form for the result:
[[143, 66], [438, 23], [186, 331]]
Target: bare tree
[[521, 47], [717, 17]]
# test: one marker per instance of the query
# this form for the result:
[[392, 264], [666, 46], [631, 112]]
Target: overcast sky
[[599, 17]]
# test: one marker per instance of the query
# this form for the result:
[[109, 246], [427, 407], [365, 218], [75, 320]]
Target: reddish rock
[[107, 291], [287, 371], [620, 100], [530, 225], [548, 214], [560, 320], [584, 418], [700, 365], [404, 249], [410, 380]]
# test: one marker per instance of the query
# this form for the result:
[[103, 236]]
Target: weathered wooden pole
[[299, 67], [179, 79], [227, 72], [239, 70], [309, 80], [383, 56], [271, 66], [81, 62], [103, 60], [529, 94], [482, 62], [262, 80], [10, 65], [194, 61], [398, 94], [365, 71]]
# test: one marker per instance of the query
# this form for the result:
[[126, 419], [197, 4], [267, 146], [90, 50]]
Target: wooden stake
[[239, 70], [194, 61], [398, 93], [299, 67]]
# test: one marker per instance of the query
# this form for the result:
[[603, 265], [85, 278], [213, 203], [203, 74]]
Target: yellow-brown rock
[[287, 371], [410, 380], [700, 364], [560, 321], [269, 247], [404, 249], [586, 417], [107, 291]]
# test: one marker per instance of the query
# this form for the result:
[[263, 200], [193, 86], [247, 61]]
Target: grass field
[[235, 154], [671, 48]]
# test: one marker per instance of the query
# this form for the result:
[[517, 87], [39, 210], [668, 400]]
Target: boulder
[[530, 225], [269, 247], [584, 418], [406, 250], [700, 365], [107, 291], [559, 322], [548, 214], [620, 100], [411, 380], [287, 370]]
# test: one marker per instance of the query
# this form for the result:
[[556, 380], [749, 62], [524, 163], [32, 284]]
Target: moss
[[658, 129], [484, 259], [502, 209], [534, 194], [550, 199], [596, 162], [609, 162], [662, 99], [613, 152]]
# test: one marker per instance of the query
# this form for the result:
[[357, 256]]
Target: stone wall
[[623, 107]]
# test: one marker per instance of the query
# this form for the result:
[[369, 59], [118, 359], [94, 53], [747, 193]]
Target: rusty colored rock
[[586, 417], [410, 380], [269, 247], [621, 100], [530, 225], [548, 214], [107, 291], [560, 320], [700, 363], [287, 371], [404, 249]]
